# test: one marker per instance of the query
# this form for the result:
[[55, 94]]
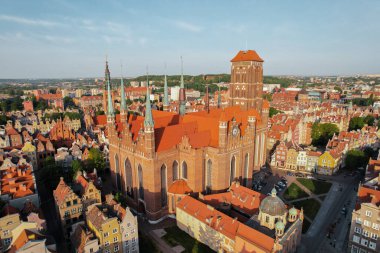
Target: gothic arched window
[[233, 169], [208, 175], [246, 167], [117, 172], [163, 185], [184, 170], [175, 171], [141, 183], [128, 177]]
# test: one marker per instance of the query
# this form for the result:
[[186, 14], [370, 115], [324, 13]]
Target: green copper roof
[[148, 109], [166, 99], [280, 225], [293, 211], [123, 105], [110, 111], [219, 98]]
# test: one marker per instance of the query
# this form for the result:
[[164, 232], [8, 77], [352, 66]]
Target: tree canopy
[[356, 159], [321, 133], [359, 122], [273, 111], [96, 160], [68, 102]]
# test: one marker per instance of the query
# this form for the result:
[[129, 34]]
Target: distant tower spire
[[166, 99], [110, 111], [219, 98], [207, 102], [148, 122], [123, 104], [182, 93]]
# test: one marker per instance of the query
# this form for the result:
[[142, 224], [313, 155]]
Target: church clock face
[[235, 131]]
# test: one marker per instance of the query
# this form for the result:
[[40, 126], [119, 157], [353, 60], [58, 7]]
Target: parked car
[[290, 174], [309, 177], [299, 174]]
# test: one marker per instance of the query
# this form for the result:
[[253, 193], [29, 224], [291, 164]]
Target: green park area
[[315, 186], [175, 236], [310, 207], [294, 192]]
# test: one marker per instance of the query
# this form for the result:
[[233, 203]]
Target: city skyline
[[63, 39]]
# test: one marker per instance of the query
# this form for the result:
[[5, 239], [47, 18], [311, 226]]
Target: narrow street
[[329, 212], [53, 223]]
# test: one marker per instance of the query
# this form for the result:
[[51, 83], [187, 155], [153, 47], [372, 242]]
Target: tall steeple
[[207, 102], [166, 99], [123, 103], [182, 94], [106, 80], [148, 122], [110, 111]]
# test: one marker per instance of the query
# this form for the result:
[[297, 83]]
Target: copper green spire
[[110, 111], [182, 93], [219, 98], [123, 104], [148, 122], [166, 99]]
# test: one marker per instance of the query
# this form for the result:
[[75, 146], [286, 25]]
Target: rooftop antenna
[[246, 45]]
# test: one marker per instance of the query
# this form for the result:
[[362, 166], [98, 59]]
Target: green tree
[[96, 160], [76, 167], [356, 123], [195, 248], [273, 111], [68, 102], [356, 159], [120, 198], [369, 120], [3, 119], [337, 88], [321, 133]]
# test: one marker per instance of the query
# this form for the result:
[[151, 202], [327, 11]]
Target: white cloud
[[188, 26], [27, 21], [56, 39]]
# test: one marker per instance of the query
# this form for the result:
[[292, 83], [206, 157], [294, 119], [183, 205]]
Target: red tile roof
[[249, 55], [210, 216], [368, 195], [179, 187]]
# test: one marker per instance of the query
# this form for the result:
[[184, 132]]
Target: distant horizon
[[66, 39], [133, 77]]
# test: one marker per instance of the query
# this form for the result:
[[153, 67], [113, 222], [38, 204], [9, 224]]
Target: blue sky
[[62, 38]]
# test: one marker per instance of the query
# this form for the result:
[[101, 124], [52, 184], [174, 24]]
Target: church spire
[[123, 104], [148, 122], [110, 111], [219, 98], [166, 99], [182, 94]]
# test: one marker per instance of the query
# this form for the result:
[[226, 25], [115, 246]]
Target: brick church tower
[[246, 81]]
